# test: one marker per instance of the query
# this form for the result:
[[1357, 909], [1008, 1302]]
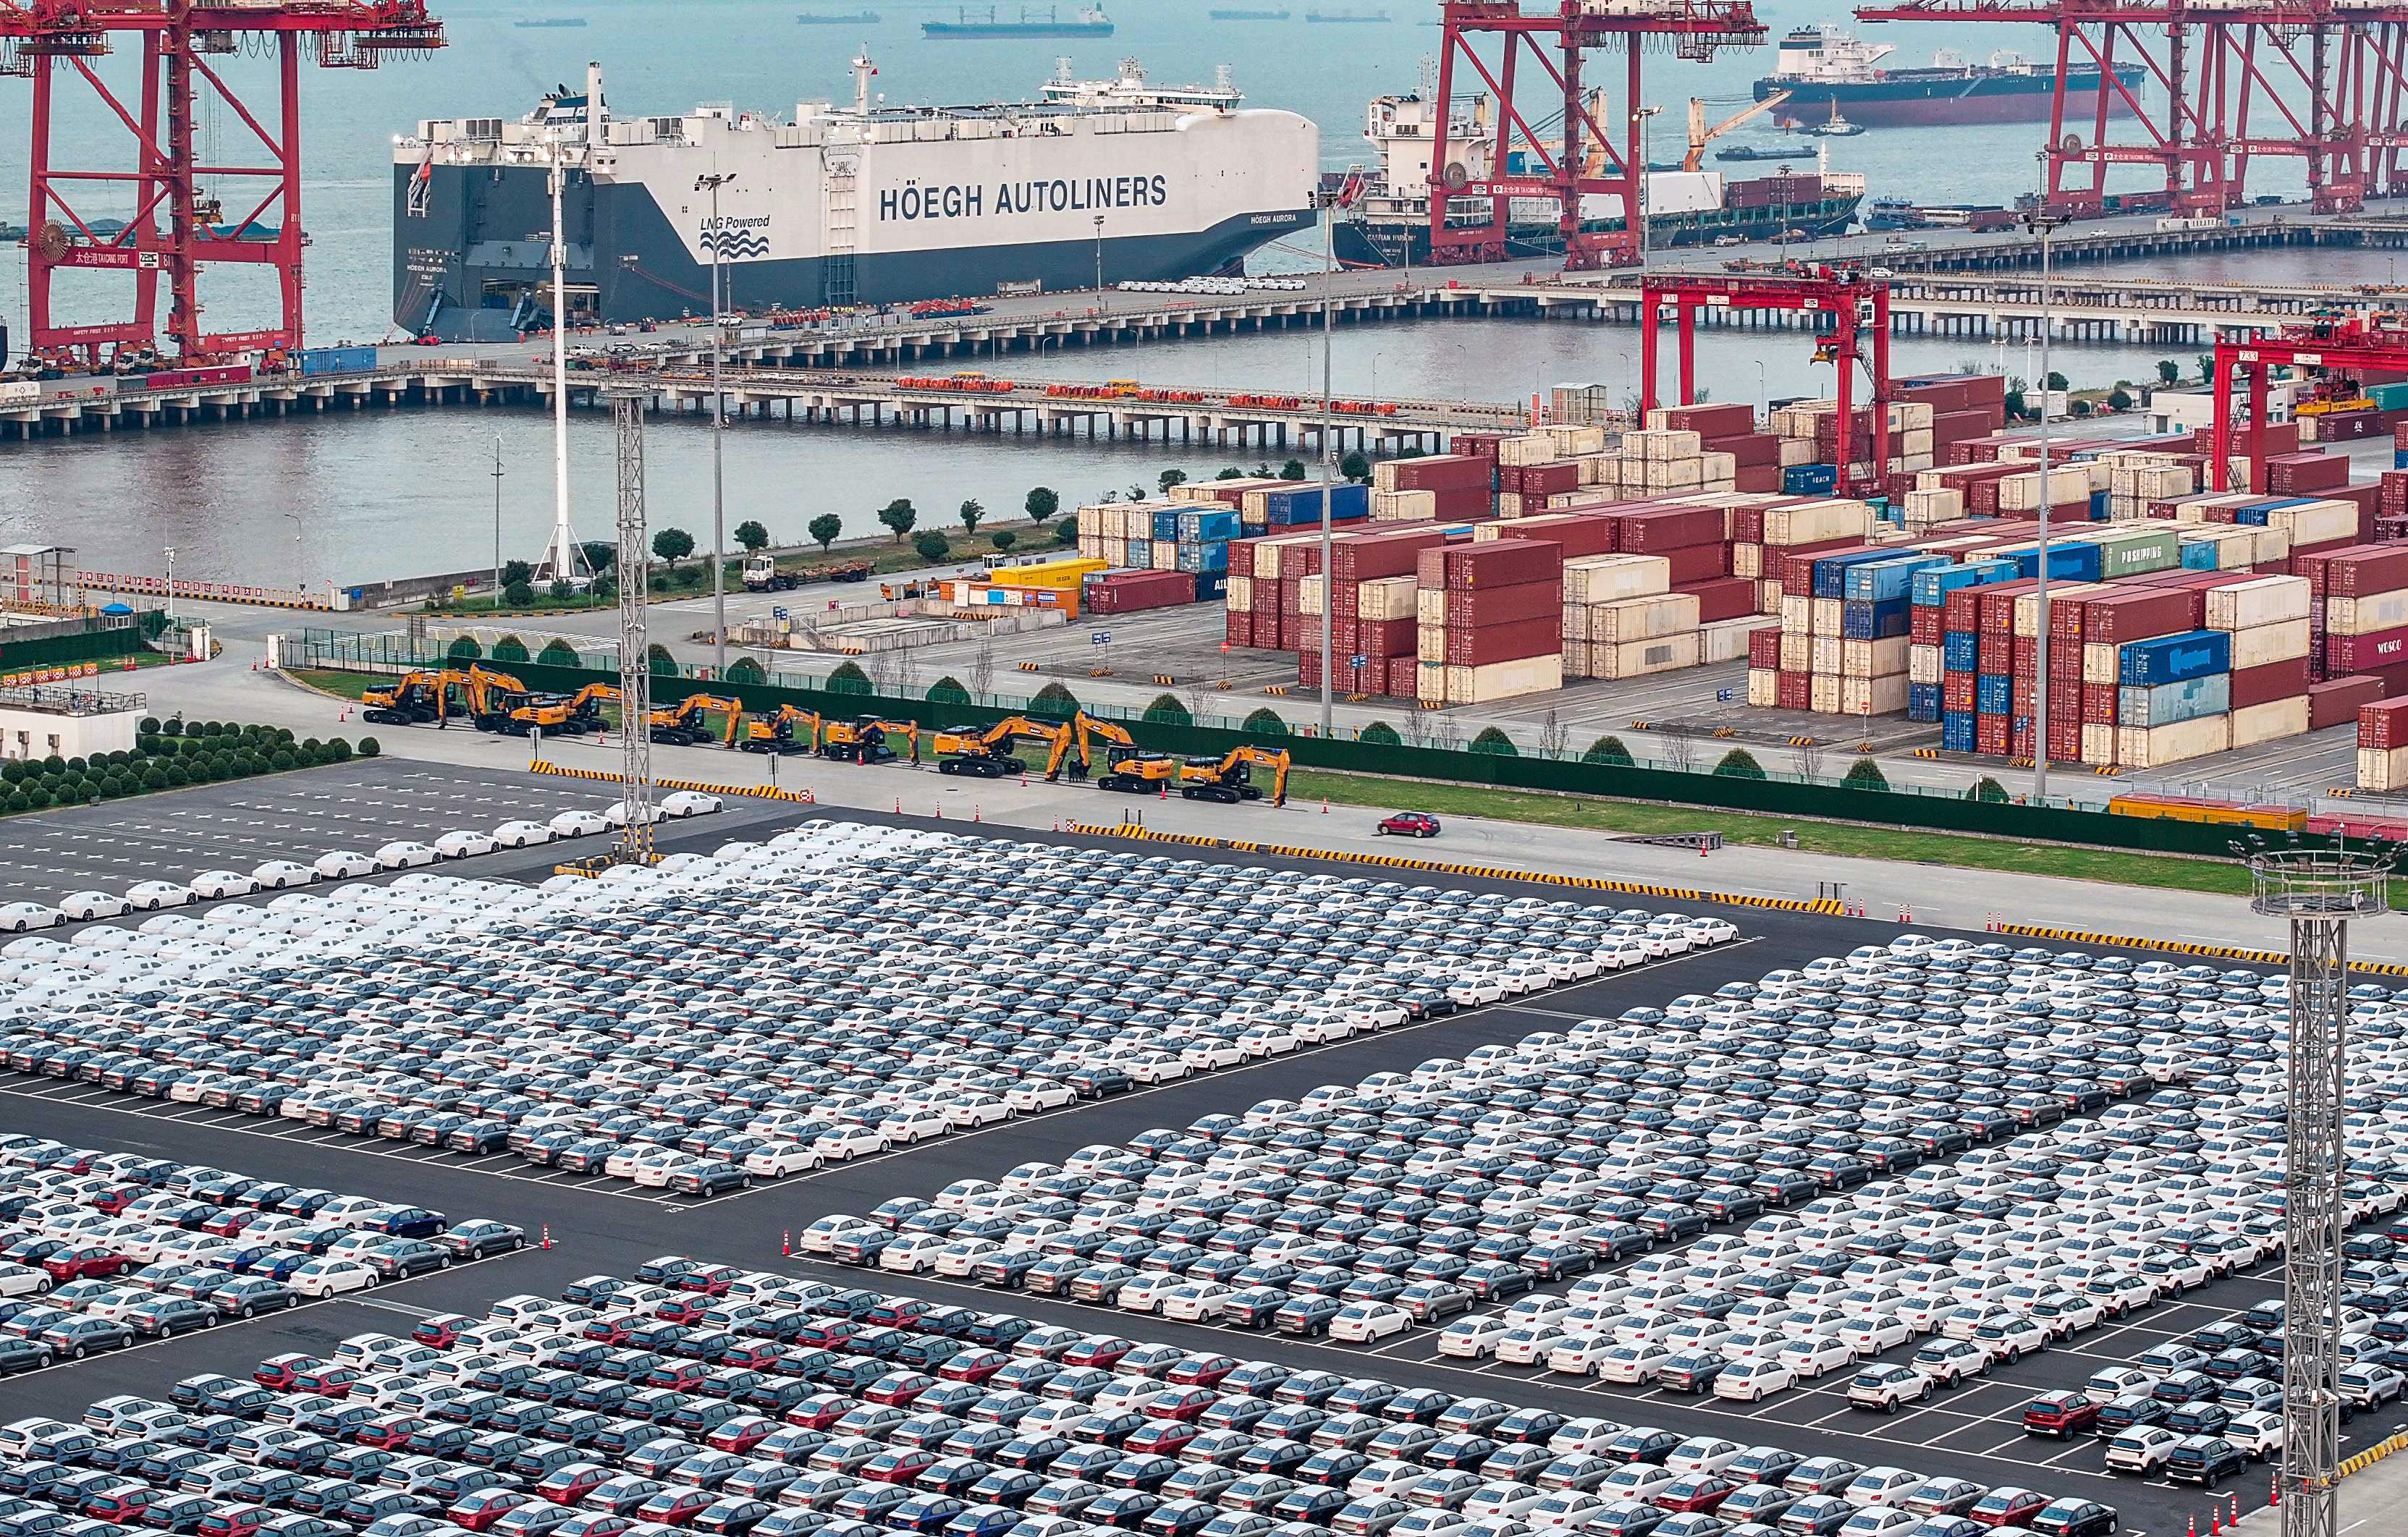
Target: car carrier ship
[[841, 205], [1388, 222], [1825, 69]]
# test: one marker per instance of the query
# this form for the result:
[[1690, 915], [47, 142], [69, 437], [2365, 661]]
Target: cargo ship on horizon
[[1090, 22], [1826, 70], [841, 204]]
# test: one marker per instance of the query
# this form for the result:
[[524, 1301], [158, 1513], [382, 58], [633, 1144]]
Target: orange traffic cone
[[546, 1236], [786, 1241], [977, 814], [940, 811]]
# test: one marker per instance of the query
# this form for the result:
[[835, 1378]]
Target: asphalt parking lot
[[608, 1226]]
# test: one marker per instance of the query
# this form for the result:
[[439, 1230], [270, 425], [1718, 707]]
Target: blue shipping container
[[1923, 701], [2399, 458], [1932, 587], [1993, 693], [1879, 581], [2068, 561], [1956, 731], [1142, 554], [1211, 557], [1809, 480], [1287, 508], [2099, 507], [2171, 659], [1211, 585], [1165, 525], [2211, 693], [315, 361], [1830, 571], [2198, 555], [1875, 621], [1204, 527], [1960, 651]]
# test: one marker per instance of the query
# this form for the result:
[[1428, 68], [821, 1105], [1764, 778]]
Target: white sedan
[[338, 863], [152, 895], [1748, 1381], [405, 854], [780, 1159], [1474, 1338], [461, 845], [1364, 1322], [216, 884], [615, 814], [1033, 1094], [1198, 1302], [1211, 1054], [1873, 1335], [688, 802], [91, 904], [16, 918], [843, 1142], [23, 1280], [1813, 1358], [975, 1110], [578, 824], [1711, 930], [278, 875], [328, 1276], [521, 835]]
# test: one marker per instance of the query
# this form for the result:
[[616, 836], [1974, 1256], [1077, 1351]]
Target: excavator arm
[[1112, 736]]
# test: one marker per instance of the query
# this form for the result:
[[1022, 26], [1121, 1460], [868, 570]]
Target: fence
[[1777, 797], [111, 636]]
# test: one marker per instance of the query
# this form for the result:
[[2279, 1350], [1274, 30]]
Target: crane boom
[[1700, 135]]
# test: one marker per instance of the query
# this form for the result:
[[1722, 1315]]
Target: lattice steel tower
[[2319, 892], [635, 844]]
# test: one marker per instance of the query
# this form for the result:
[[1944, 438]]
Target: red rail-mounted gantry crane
[[175, 228]]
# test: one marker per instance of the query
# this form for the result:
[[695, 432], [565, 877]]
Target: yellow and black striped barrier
[[1277, 690], [759, 793], [2361, 1461], [1030, 667], [2176, 947], [2108, 771], [1165, 680], [1490, 872]]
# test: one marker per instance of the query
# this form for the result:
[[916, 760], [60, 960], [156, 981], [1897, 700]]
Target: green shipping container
[[2137, 553], [2390, 397]]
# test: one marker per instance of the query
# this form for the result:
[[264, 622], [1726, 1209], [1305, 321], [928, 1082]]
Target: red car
[[898, 1388], [741, 1435], [331, 1380], [443, 1331], [827, 1334], [2007, 1506], [115, 1201], [973, 1366], [1698, 1491], [683, 1310], [710, 1280], [1103, 1351], [1408, 824], [83, 1262], [610, 1331], [821, 1410], [754, 1356], [278, 1372], [675, 1507], [897, 1465], [230, 1223], [386, 1432], [2061, 1415], [481, 1508], [1201, 1371], [901, 1313], [567, 1485], [1159, 1438], [232, 1521], [677, 1376], [1178, 1403]]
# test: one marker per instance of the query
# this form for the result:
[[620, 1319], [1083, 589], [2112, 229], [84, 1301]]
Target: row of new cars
[[820, 996], [700, 1398]]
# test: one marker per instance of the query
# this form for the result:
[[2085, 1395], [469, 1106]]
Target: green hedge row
[[165, 756]]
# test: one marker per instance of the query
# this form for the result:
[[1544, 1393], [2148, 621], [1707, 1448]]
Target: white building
[[57, 720]]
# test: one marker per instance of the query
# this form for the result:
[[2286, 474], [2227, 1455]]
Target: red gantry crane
[[174, 226], [1591, 154], [2354, 347], [2219, 83], [1857, 337]]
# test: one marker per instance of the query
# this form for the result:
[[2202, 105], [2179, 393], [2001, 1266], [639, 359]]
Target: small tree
[[752, 536], [1166, 710], [1987, 789], [970, 511], [2205, 365], [1041, 503], [517, 571], [2058, 382], [517, 595], [931, 545], [746, 670], [824, 530], [1381, 732], [599, 556], [848, 678], [1356, 465], [1740, 763], [2168, 372], [1066, 532], [463, 649], [1054, 699], [1266, 722], [509, 649], [1292, 470], [1553, 736], [672, 544], [1864, 773], [557, 654], [561, 591], [1169, 478], [2119, 399], [898, 516], [658, 661], [1003, 539], [1232, 473], [1681, 747], [1610, 751], [948, 689], [1808, 756], [1494, 740], [368, 748]]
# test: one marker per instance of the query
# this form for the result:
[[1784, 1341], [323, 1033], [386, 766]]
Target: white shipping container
[[1429, 645], [1570, 441], [2021, 492], [1913, 443], [1604, 578], [2365, 616], [2154, 747], [1763, 688], [1796, 652], [1627, 619], [1240, 595], [1574, 625], [1719, 467], [1166, 555], [2264, 643], [2275, 719], [2265, 600], [1769, 597], [1941, 506], [1504, 680], [1661, 475], [1875, 659], [1872, 695], [1429, 681], [1823, 694], [2234, 547], [1308, 595], [1531, 449], [2316, 522], [1748, 560], [1403, 506], [1796, 451], [2381, 768], [1826, 616], [1508, 503], [1639, 658], [1923, 663], [1386, 598], [1822, 655], [1725, 640], [2027, 605], [1816, 523], [2098, 743], [2269, 546], [1797, 612], [1662, 444], [2102, 664]]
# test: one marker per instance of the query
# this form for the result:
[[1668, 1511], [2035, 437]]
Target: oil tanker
[[850, 205], [1824, 68]]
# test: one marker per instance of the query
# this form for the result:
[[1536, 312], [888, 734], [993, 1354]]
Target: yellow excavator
[[984, 755], [488, 699], [680, 725], [863, 739], [1128, 768], [414, 699], [776, 733], [1228, 779]]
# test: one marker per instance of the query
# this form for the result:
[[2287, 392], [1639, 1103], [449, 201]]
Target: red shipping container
[[1369, 557], [1793, 690], [2299, 474], [1478, 647], [2391, 490], [1995, 653], [1747, 449], [2026, 656], [1403, 675], [1579, 533], [2362, 571], [2065, 618], [1492, 606], [1968, 451], [2099, 703], [1991, 735], [1745, 524], [1923, 625], [1756, 480], [2274, 681], [1550, 479], [1386, 639], [1725, 598], [1501, 562], [2113, 618], [1710, 420], [1471, 505], [1298, 559], [1240, 629], [1957, 691], [1447, 472], [1793, 566], [2366, 653], [1998, 608], [1696, 563], [2384, 725], [1764, 648], [1291, 599], [2064, 739], [2337, 702], [1655, 532]]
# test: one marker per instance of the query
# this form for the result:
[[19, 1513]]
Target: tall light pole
[[1099, 260], [497, 521], [711, 183], [1644, 117], [1328, 460], [2042, 223], [171, 581]]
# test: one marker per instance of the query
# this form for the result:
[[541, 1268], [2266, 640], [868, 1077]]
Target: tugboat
[[1837, 127]]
